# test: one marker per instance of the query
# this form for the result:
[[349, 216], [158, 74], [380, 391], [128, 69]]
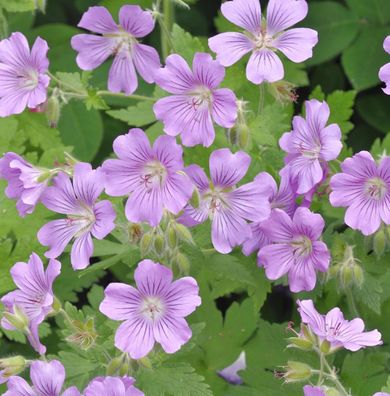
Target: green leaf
[[362, 60], [337, 27], [82, 129], [172, 379], [139, 115], [71, 81], [375, 11], [341, 109], [185, 44], [18, 5], [374, 109]]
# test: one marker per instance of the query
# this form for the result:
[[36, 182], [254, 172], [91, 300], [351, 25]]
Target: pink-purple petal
[[135, 20], [146, 61], [224, 107], [243, 13], [97, 19], [264, 66], [122, 76]]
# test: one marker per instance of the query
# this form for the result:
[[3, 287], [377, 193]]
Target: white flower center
[[123, 40], [152, 308], [263, 40], [199, 97], [302, 246], [154, 174], [376, 188], [333, 330], [215, 200], [29, 79], [84, 220]]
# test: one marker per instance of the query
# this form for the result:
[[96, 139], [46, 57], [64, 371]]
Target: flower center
[[123, 40], [302, 246], [263, 40], [310, 152], [215, 200], [376, 188], [154, 174], [29, 79], [152, 308], [83, 220], [201, 96], [333, 330]]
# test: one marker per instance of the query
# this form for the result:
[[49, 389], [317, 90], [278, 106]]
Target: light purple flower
[[154, 312], [363, 187], [24, 182], [381, 394], [296, 250], [47, 380], [283, 199], [153, 176], [310, 145], [196, 101], [112, 386], [338, 331], [230, 373], [85, 216], [264, 37], [34, 295], [384, 72], [309, 390], [120, 41], [228, 207], [23, 78]]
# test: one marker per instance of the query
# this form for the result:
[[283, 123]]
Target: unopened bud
[[17, 319], [84, 334], [182, 263], [114, 366], [325, 347], [307, 334], [358, 275], [146, 243], [171, 236], [300, 343], [159, 244], [297, 371], [184, 233], [346, 276], [12, 366], [380, 241], [195, 199], [135, 233], [332, 392], [44, 176], [52, 111], [145, 361], [124, 369]]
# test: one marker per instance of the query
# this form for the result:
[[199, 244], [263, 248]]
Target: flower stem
[[166, 24], [351, 302], [122, 95], [333, 377]]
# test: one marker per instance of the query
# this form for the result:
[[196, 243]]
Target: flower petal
[[152, 278], [363, 215], [277, 259], [308, 223], [302, 276], [243, 13], [104, 219], [207, 71], [224, 107], [97, 19], [176, 192], [172, 333], [18, 386], [122, 76], [146, 61], [230, 47], [47, 377], [384, 75], [311, 317], [198, 176], [282, 14], [88, 184], [320, 256], [226, 168], [279, 227], [81, 252], [92, 50], [39, 55], [264, 65], [120, 301], [135, 20], [297, 44], [182, 297]]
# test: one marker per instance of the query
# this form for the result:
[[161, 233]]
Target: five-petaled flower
[[112, 386], [47, 380], [33, 297], [85, 216], [339, 332], [152, 312], [263, 37], [228, 207], [23, 78], [120, 41], [309, 390], [26, 183], [363, 187], [153, 176], [310, 145], [384, 72], [196, 101], [295, 250]]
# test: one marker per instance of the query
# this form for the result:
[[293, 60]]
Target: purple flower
[[47, 379], [339, 332], [309, 390], [263, 37], [283, 199], [153, 176], [23, 79], [33, 296], [227, 206], [120, 41], [363, 187], [85, 216], [310, 145], [154, 312], [230, 373], [384, 72], [196, 101], [296, 250], [112, 386], [24, 182], [381, 394]]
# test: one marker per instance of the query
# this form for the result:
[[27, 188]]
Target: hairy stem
[[166, 24], [333, 377], [122, 95]]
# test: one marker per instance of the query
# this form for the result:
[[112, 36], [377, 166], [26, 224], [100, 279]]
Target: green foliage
[[185, 44], [139, 115]]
